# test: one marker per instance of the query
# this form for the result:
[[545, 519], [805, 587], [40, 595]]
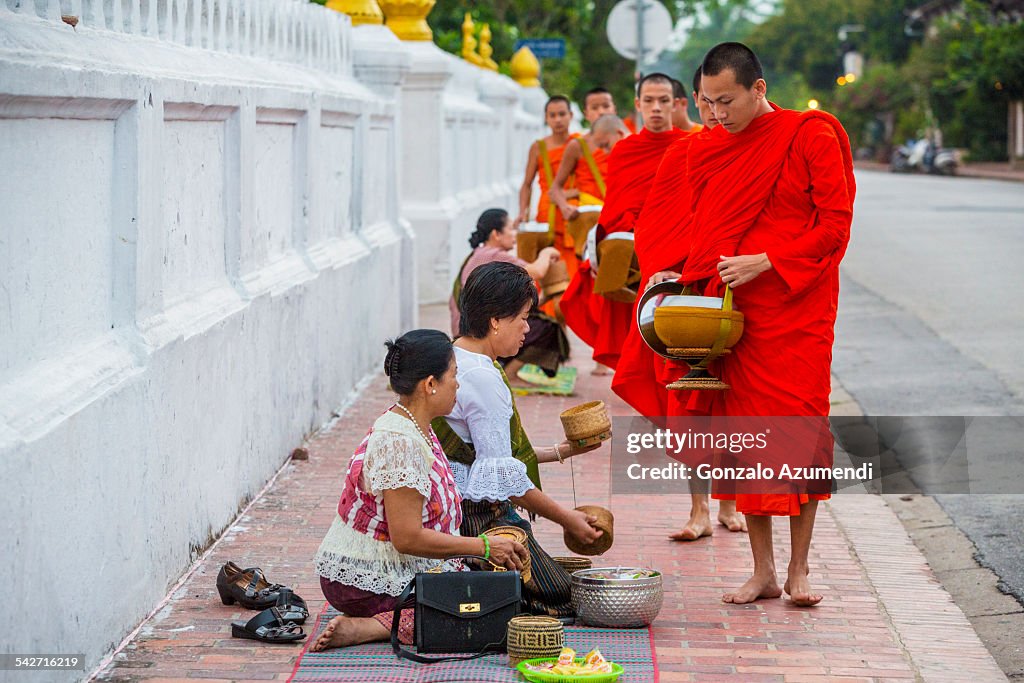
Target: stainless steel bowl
[[613, 602]]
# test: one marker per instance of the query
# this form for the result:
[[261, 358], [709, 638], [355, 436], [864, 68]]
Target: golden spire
[[360, 11], [525, 68], [407, 19], [469, 42], [486, 50]]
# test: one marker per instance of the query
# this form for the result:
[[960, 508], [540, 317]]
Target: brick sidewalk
[[884, 617]]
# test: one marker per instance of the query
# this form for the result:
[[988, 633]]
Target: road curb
[[928, 620]]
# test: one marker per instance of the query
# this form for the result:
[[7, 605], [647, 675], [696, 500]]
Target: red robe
[[601, 322], [661, 244], [783, 186]]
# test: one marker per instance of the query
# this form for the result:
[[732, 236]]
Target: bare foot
[[601, 370], [799, 589], [517, 381], [755, 588], [698, 526], [343, 631], [730, 519], [337, 633]]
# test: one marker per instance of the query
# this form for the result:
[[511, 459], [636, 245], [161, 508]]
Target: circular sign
[[624, 28]]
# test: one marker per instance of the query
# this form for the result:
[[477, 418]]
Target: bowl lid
[[533, 226]]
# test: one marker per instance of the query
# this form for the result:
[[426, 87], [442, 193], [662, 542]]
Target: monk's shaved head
[[608, 123], [696, 82], [655, 77], [736, 57]]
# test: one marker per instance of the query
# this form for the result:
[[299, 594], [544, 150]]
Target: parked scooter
[[922, 156]]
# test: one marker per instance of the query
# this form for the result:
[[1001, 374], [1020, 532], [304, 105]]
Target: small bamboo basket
[[605, 522], [518, 535], [587, 424], [557, 279], [573, 564], [532, 637]]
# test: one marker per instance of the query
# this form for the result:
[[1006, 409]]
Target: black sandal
[[291, 607], [247, 587], [268, 627]]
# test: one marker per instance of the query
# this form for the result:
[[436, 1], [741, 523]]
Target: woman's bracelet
[[487, 546], [558, 453]]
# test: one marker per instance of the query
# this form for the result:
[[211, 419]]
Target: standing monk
[[772, 191], [596, 103], [662, 246], [542, 163], [631, 170]]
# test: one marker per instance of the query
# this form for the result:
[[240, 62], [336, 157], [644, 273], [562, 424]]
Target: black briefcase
[[459, 612]]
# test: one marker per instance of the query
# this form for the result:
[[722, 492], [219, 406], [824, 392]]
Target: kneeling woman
[[399, 510], [546, 345], [492, 459]]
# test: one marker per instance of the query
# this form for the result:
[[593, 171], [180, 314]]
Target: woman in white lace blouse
[[399, 510], [494, 464]]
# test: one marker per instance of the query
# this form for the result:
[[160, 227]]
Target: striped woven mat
[[562, 384], [376, 663]]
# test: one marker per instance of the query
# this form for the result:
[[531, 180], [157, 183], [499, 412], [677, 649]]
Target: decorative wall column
[[427, 203], [381, 62]]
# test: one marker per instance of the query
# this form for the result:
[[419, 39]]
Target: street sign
[[625, 32], [543, 48]]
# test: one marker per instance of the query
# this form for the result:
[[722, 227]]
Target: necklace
[[415, 424]]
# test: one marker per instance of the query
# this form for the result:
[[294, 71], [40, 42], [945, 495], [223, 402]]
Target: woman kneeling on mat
[[492, 459], [399, 511]]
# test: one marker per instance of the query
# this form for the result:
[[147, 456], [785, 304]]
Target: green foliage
[[972, 68], [589, 60]]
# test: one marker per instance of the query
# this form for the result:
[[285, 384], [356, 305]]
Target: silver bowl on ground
[[617, 597]]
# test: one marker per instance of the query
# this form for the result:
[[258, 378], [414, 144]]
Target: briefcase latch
[[468, 607]]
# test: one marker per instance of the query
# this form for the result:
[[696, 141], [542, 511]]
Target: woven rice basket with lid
[[532, 637]]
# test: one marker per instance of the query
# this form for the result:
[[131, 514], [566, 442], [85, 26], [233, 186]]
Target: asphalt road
[[931, 322]]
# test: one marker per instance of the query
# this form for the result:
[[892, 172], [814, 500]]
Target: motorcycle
[[922, 156]]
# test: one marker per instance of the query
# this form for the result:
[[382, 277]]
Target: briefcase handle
[[396, 619], [440, 565]]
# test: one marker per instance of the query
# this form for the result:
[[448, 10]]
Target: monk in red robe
[[542, 163], [662, 245], [601, 322], [772, 193]]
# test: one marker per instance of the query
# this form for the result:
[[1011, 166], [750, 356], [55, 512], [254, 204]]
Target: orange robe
[[563, 242], [632, 165], [661, 244], [783, 186], [585, 180]]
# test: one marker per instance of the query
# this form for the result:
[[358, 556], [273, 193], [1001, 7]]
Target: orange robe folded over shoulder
[[600, 322], [662, 243], [547, 211], [784, 186]]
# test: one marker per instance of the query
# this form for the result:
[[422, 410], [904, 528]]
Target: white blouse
[[483, 409]]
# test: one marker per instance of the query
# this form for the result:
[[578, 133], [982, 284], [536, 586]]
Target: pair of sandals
[[281, 610]]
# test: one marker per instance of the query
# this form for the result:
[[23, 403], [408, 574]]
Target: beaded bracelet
[[487, 546], [558, 453]]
